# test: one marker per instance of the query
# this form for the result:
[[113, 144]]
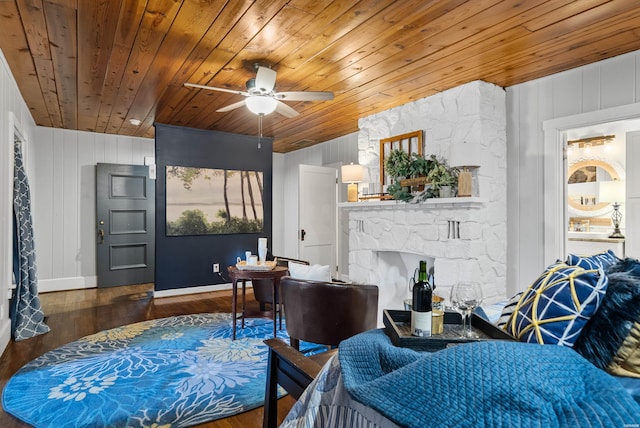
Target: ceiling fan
[[261, 98]]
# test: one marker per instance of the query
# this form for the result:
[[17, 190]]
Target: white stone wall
[[475, 113]]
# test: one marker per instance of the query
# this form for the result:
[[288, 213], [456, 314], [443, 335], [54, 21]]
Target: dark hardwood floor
[[78, 313]]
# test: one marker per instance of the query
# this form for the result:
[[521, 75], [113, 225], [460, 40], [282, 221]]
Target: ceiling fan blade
[[231, 107], [265, 79], [305, 96], [285, 110], [213, 88]]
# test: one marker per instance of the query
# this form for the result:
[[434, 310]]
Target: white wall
[[600, 86], [277, 225], [13, 113], [64, 196], [339, 150], [64, 201]]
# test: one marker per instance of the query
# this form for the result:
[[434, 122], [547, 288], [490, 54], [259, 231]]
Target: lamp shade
[[464, 154], [352, 173], [261, 105], [611, 191]]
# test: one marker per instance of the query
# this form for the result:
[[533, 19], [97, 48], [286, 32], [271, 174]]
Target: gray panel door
[[125, 198]]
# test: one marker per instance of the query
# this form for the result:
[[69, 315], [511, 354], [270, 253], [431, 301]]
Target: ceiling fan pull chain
[[259, 130]]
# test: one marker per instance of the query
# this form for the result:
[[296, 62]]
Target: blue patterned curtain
[[27, 318]]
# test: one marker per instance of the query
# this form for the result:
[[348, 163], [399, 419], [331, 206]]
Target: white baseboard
[[63, 284], [82, 282], [5, 334], [193, 290]]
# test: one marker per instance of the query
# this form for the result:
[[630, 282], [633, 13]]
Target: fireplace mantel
[[436, 203]]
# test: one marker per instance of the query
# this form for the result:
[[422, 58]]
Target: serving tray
[[261, 266], [397, 325]]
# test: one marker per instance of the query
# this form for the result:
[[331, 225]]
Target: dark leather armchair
[[325, 312], [262, 287], [318, 312]]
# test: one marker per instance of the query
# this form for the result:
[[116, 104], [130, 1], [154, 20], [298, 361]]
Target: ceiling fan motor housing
[[251, 88]]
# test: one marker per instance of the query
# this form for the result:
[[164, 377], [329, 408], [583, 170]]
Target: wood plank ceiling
[[95, 64]]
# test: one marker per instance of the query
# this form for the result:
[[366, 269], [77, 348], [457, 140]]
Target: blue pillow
[[601, 260], [605, 333], [610, 339], [558, 304], [628, 265], [508, 310]]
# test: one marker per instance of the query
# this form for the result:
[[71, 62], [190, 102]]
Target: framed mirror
[[583, 180]]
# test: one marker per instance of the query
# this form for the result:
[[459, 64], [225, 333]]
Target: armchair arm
[[293, 365]]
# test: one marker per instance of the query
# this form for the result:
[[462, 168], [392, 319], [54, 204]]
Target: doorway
[[596, 162], [555, 172]]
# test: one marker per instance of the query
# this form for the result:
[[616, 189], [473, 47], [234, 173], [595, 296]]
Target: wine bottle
[[422, 308]]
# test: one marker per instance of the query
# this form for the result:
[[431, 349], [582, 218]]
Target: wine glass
[[465, 297]]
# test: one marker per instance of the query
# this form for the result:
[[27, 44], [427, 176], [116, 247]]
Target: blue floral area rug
[[176, 371]]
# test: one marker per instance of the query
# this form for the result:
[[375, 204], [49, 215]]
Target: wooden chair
[[319, 312]]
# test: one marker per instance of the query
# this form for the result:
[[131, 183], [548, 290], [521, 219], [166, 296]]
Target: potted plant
[[420, 166], [398, 164], [408, 173], [442, 178]]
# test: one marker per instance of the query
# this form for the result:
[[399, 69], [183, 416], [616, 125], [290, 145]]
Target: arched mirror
[[583, 183]]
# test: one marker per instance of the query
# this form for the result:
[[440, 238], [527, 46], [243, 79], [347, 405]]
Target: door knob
[[100, 236], [302, 234]]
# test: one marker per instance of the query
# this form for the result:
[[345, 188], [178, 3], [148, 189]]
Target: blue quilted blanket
[[493, 384]]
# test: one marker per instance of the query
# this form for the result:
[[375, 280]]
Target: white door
[[631, 208], [317, 215]]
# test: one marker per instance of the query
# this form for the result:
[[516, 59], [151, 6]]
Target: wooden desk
[[247, 275]]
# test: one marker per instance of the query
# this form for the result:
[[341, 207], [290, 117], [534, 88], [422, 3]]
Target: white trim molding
[[65, 284], [193, 290], [5, 333]]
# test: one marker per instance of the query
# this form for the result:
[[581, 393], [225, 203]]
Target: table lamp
[[613, 192], [464, 156], [352, 174]]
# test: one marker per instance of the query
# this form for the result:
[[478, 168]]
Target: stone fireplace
[[461, 238]]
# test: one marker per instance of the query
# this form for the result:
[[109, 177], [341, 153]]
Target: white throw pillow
[[311, 272]]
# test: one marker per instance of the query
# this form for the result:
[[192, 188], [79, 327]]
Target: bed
[[371, 383]]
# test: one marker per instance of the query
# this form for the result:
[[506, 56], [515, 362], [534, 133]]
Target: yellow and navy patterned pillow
[[558, 305], [601, 260]]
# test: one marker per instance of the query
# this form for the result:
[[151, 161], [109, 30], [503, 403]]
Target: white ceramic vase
[[262, 249]]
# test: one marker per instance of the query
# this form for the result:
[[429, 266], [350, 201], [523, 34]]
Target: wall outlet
[[216, 267]]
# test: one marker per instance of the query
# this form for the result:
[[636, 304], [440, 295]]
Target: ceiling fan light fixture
[[261, 105]]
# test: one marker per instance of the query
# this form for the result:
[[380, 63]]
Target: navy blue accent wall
[[186, 261]]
